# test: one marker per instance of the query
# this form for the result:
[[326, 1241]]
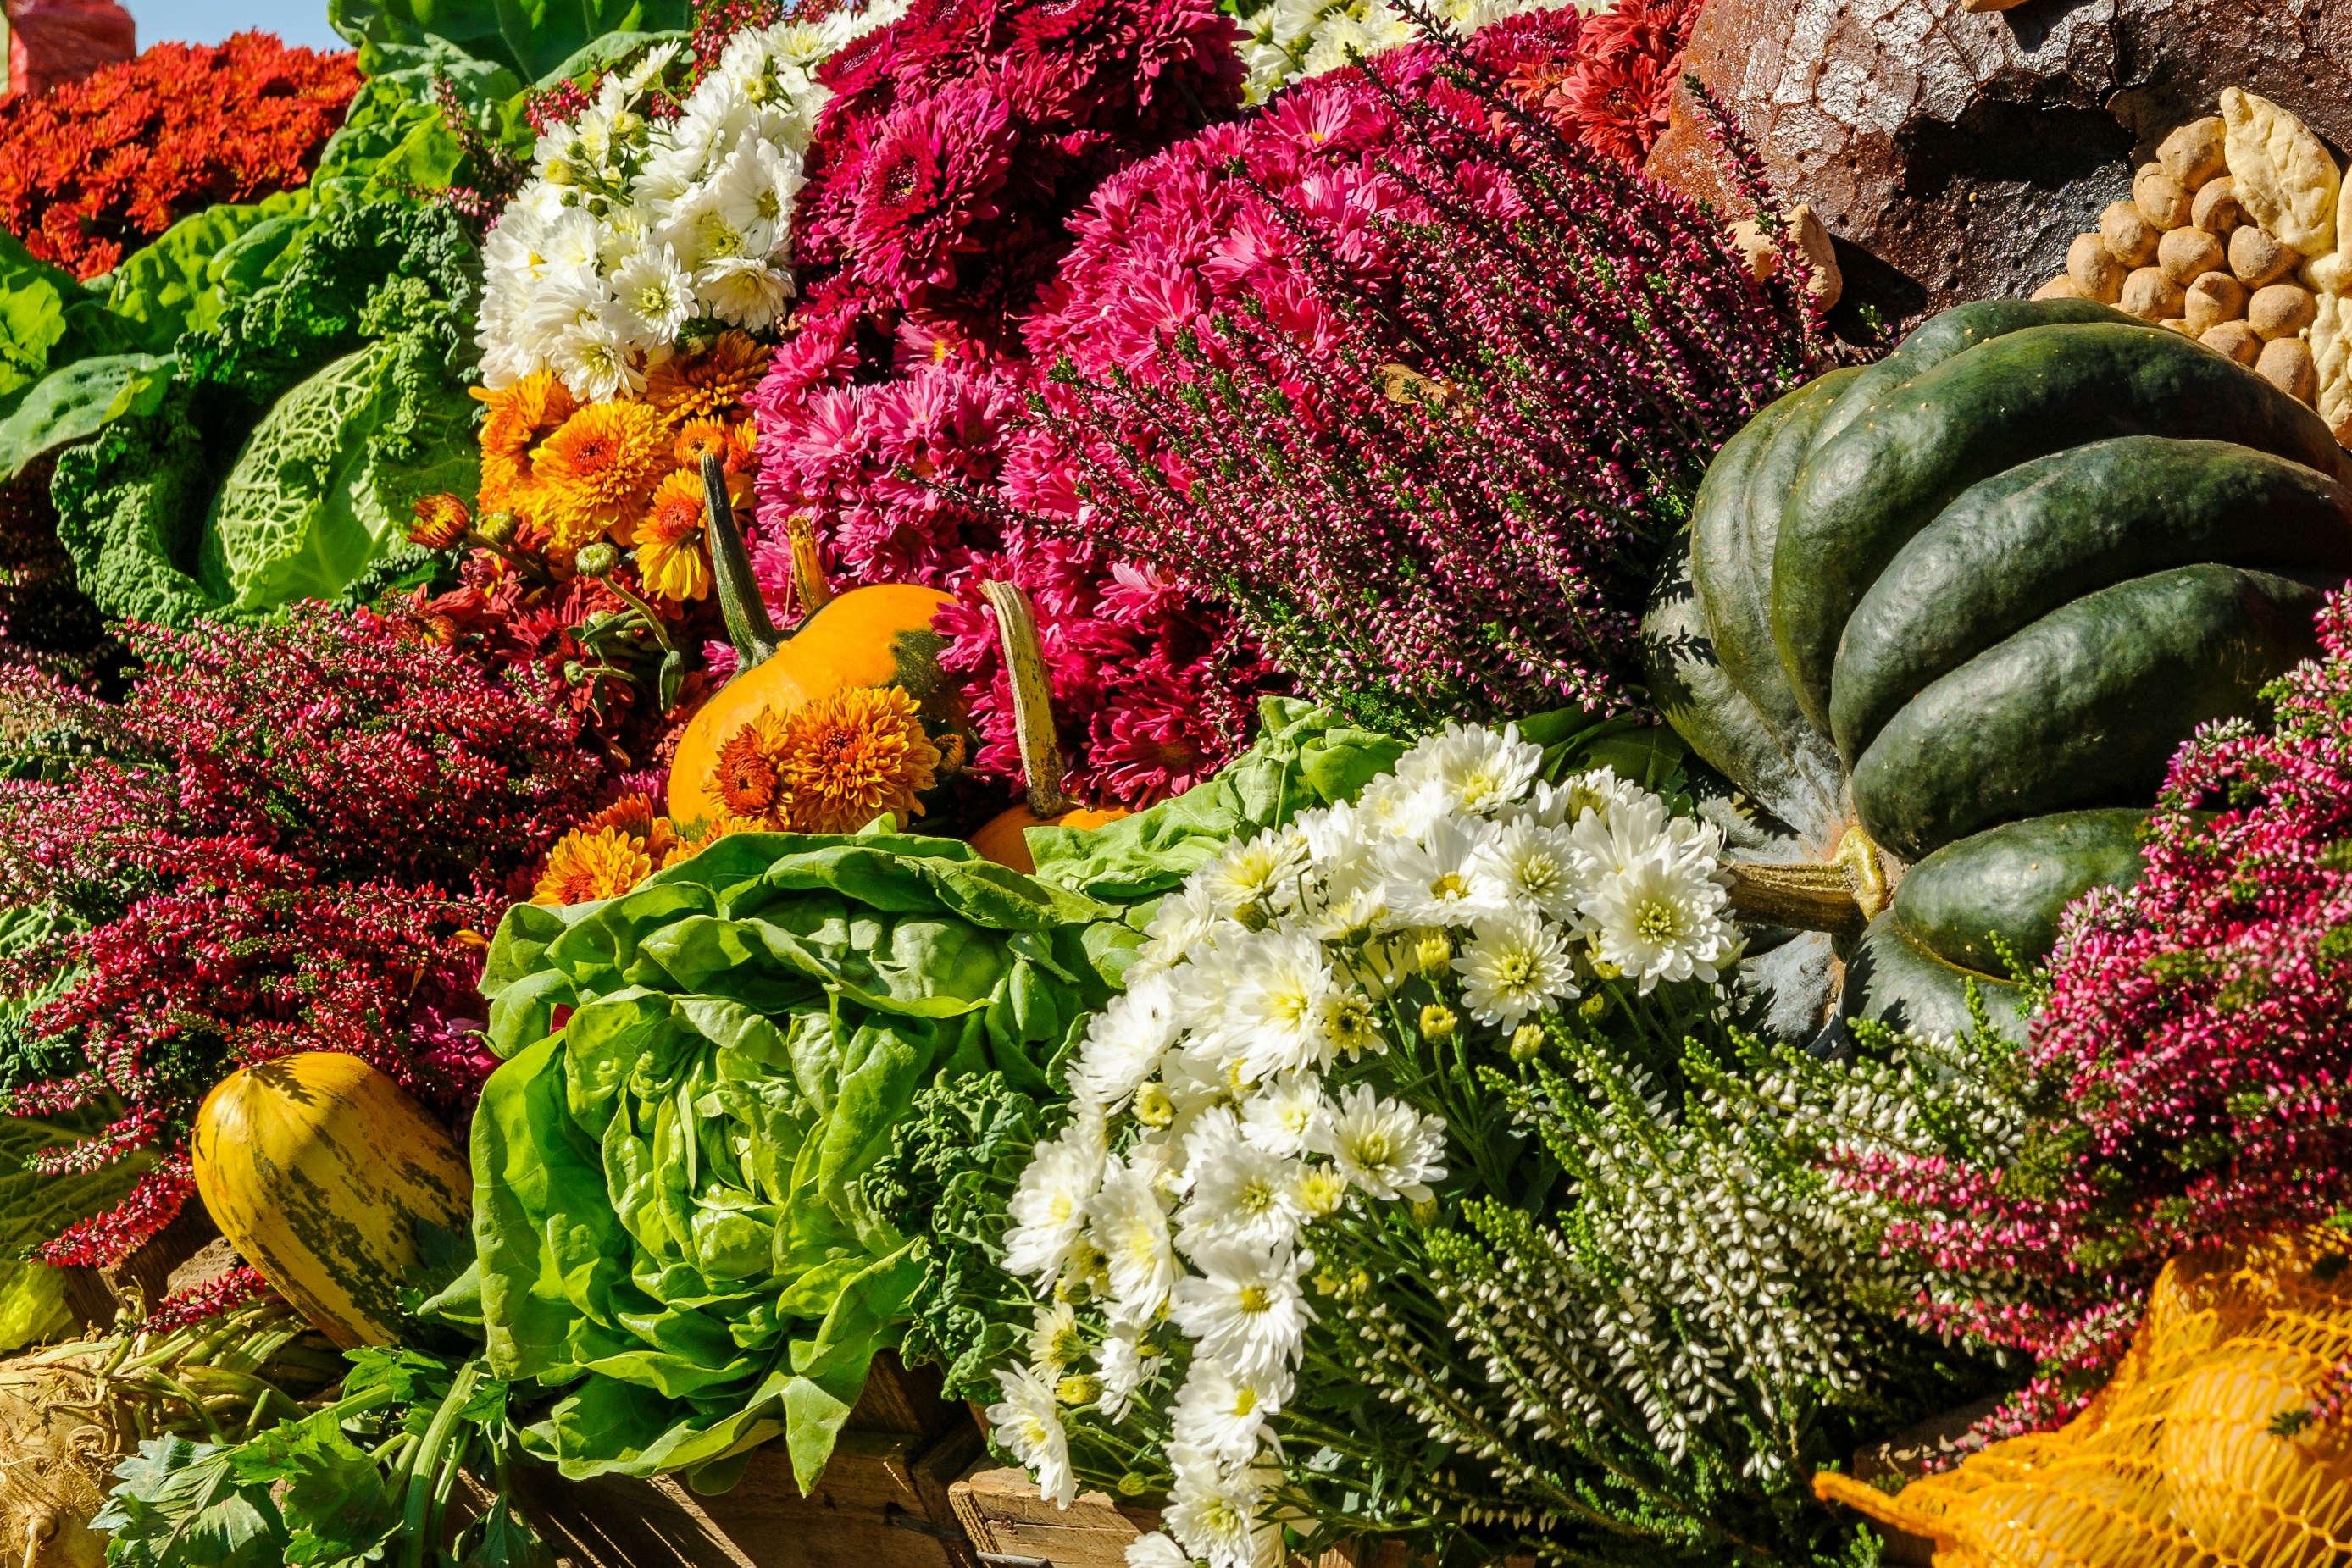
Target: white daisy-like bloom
[[1124, 1043], [1601, 790], [1429, 881], [1536, 866], [1049, 1206], [1272, 1017], [594, 359], [1255, 878], [1475, 769], [1383, 1147], [1221, 1415], [1055, 1344], [1183, 918], [1245, 1306], [744, 292], [1513, 965], [654, 297], [1281, 1115], [1129, 1356], [1155, 1551], [1240, 1192], [1390, 808], [1212, 1512], [1664, 917], [1028, 1424], [1127, 1225]]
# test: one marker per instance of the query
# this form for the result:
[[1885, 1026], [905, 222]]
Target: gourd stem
[[748, 625], [1032, 697], [1808, 896], [811, 586]]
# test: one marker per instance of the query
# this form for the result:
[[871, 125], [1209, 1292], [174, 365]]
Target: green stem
[[749, 626], [424, 1472], [660, 631]]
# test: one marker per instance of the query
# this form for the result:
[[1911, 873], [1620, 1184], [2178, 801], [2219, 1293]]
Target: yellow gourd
[[1005, 838], [317, 1167]]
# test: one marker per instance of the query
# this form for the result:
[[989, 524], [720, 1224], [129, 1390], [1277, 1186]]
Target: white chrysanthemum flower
[[744, 292], [1662, 917], [1475, 769], [1281, 1115], [1390, 808], [1183, 918], [1600, 791], [1049, 1207], [1129, 1356], [1384, 1147], [1124, 1042], [1536, 866], [1513, 965], [1029, 1425], [1245, 1307], [1212, 1512], [593, 357], [654, 297], [1055, 1345], [1240, 1191], [1254, 879], [1221, 1415], [1430, 882], [1272, 1017], [1128, 1227], [1155, 1551]]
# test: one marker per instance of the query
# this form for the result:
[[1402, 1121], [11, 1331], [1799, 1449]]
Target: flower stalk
[[749, 625]]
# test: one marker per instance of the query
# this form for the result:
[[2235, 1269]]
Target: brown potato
[[2234, 338], [2287, 364], [2097, 275], [2130, 238], [2059, 287], [2160, 200], [2193, 154], [2216, 209], [2213, 299], [2186, 255], [2280, 311], [2257, 259], [2150, 296]]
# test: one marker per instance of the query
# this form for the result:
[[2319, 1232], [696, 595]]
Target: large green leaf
[[72, 404], [533, 36], [47, 318], [185, 280]]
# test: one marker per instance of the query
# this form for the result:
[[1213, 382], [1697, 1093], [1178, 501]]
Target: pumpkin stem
[[749, 626], [1032, 697], [811, 586], [1840, 896]]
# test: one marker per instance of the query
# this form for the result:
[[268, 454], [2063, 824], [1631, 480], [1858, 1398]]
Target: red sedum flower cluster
[[221, 864], [93, 169]]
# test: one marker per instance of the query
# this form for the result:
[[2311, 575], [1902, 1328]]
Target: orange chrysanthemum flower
[[712, 382], [635, 816], [743, 447], [854, 755], [748, 777], [584, 865], [699, 438], [441, 521], [593, 475], [518, 417], [671, 559]]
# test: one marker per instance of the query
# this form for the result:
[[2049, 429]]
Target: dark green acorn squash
[[1942, 623]]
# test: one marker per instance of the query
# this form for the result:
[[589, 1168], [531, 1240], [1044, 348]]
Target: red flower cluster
[[256, 853], [1612, 93], [2189, 1081], [96, 168]]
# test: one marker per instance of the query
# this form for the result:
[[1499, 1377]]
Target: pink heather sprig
[[105, 1239], [1415, 381], [239, 1288], [2185, 1085]]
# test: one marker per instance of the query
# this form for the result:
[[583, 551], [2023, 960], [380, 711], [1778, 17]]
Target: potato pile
[[2232, 236]]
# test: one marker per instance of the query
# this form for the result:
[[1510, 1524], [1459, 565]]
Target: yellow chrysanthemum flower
[[671, 556], [712, 382], [850, 756], [593, 475], [584, 865]]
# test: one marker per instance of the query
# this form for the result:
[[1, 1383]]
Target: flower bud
[[596, 560], [441, 521], [1526, 1040], [628, 126], [574, 671], [559, 171], [1153, 1108], [1432, 952], [497, 528], [1594, 1005], [1133, 1485], [1078, 1388], [1437, 1022]]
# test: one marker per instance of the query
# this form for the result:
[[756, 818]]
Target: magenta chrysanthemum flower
[[927, 175]]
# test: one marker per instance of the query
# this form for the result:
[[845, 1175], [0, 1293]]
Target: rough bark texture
[[1954, 154]]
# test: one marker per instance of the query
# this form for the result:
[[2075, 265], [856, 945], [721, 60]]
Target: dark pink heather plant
[[2188, 1079], [1412, 379], [283, 839]]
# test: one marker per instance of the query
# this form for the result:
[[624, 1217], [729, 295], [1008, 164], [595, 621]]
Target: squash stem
[[1032, 697], [1808, 896], [811, 586], [749, 626]]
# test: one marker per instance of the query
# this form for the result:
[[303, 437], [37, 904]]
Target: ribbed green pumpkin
[[318, 1167], [1959, 609]]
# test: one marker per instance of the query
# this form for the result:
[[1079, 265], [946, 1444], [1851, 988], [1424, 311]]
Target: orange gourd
[[1005, 838], [876, 636]]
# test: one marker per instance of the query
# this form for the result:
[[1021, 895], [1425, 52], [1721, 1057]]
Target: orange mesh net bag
[[2176, 1462]]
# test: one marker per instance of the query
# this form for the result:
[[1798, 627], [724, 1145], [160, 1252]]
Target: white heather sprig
[[1232, 1097], [630, 227]]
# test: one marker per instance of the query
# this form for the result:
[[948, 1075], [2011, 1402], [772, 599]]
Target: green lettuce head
[[666, 1208]]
